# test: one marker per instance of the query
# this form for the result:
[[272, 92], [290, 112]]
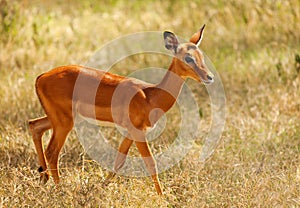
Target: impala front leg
[[150, 163], [120, 158]]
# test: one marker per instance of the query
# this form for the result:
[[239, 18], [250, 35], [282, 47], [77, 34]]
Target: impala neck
[[169, 88]]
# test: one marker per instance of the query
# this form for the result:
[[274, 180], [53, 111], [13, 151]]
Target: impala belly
[[94, 112]]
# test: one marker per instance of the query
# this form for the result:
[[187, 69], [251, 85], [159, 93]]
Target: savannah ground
[[254, 46]]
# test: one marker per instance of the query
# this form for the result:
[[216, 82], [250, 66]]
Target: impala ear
[[197, 37], [171, 41]]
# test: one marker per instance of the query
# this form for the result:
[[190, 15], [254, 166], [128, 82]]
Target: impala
[[126, 102]]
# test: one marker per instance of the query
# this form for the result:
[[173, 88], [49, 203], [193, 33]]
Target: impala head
[[189, 58]]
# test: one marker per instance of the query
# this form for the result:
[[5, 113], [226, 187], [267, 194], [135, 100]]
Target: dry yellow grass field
[[255, 47]]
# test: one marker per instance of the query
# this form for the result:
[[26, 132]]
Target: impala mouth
[[209, 80], [206, 78]]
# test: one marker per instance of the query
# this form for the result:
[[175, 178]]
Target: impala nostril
[[209, 77]]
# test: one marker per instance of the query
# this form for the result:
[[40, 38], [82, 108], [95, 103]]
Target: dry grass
[[253, 46]]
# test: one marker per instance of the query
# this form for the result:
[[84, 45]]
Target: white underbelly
[[151, 132], [98, 122]]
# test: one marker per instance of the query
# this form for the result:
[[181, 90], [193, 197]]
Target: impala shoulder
[[132, 86]]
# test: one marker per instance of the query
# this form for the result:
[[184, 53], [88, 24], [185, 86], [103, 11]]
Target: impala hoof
[[44, 176], [108, 179]]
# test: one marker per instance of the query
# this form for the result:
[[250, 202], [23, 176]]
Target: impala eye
[[189, 59]]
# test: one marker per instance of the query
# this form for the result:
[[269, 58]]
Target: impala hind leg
[[120, 158], [57, 140], [150, 163], [37, 128]]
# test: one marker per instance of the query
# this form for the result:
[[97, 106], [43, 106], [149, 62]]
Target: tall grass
[[253, 46]]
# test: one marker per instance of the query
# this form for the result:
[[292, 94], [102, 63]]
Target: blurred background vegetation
[[255, 47]]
